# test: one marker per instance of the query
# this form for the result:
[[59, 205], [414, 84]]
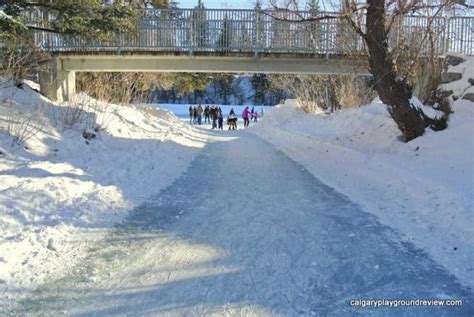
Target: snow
[[428, 111], [59, 192], [246, 231], [424, 188]]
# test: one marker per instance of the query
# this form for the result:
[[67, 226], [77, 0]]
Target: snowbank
[[424, 189], [58, 190]]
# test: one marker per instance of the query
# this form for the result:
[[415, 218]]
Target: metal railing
[[259, 31]]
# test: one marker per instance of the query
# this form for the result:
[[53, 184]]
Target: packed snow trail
[[246, 231]]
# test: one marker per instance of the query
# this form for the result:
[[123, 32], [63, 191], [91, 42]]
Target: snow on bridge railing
[[258, 31]]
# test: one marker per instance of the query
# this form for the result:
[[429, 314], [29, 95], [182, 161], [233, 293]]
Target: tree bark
[[393, 91]]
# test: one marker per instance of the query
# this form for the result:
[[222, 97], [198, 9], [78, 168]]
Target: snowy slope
[[424, 189], [59, 191]]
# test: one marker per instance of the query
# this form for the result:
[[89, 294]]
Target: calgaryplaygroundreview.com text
[[395, 303]]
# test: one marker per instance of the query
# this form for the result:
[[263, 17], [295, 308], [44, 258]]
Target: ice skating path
[[248, 232]]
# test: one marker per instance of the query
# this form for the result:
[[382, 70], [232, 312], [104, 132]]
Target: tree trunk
[[393, 91]]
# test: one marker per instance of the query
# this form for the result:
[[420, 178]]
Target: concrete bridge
[[236, 41]]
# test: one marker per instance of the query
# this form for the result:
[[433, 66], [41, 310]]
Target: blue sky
[[236, 4], [216, 4]]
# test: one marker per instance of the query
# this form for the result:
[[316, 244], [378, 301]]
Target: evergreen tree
[[315, 27], [89, 18], [225, 38], [259, 27], [160, 4], [19, 55], [200, 33], [192, 83], [260, 84], [224, 86], [313, 7]]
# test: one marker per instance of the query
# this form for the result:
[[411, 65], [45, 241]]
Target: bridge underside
[[58, 79]]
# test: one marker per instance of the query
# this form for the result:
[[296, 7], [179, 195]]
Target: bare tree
[[317, 93], [373, 20], [124, 88], [393, 90]]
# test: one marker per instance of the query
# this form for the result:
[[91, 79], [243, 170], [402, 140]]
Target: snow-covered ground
[[424, 188], [222, 222], [59, 191]]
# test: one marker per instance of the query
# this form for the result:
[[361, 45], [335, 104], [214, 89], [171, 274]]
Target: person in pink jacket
[[255, 116], [245, 116]]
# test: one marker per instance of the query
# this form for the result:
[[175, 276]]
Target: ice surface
[[258, 235], [424, 188]]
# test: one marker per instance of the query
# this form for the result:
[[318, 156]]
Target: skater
[[220, 118], [199, 112], [255, 116], [190, 114], [245, 116], [207, 114], [232, 120], [214, 117], [194, 114]]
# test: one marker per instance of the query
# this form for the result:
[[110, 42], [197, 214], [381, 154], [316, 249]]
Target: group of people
[[214, 113], [195, 114], [248, 115]]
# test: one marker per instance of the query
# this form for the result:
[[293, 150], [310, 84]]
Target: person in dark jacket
[[214, 117], [190, 114], [195, 115], [220, 118], [207, 114]]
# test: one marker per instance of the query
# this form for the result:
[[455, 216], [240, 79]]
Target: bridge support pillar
[[57, 84]]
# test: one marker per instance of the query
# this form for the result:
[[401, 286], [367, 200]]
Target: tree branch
[[303, 19], [41, 28]]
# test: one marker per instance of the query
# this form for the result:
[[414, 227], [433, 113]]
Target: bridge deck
[[236, 63]]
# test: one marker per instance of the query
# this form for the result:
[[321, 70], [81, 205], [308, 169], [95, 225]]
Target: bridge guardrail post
[[258, 24], [328, 40], [191, 33]]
